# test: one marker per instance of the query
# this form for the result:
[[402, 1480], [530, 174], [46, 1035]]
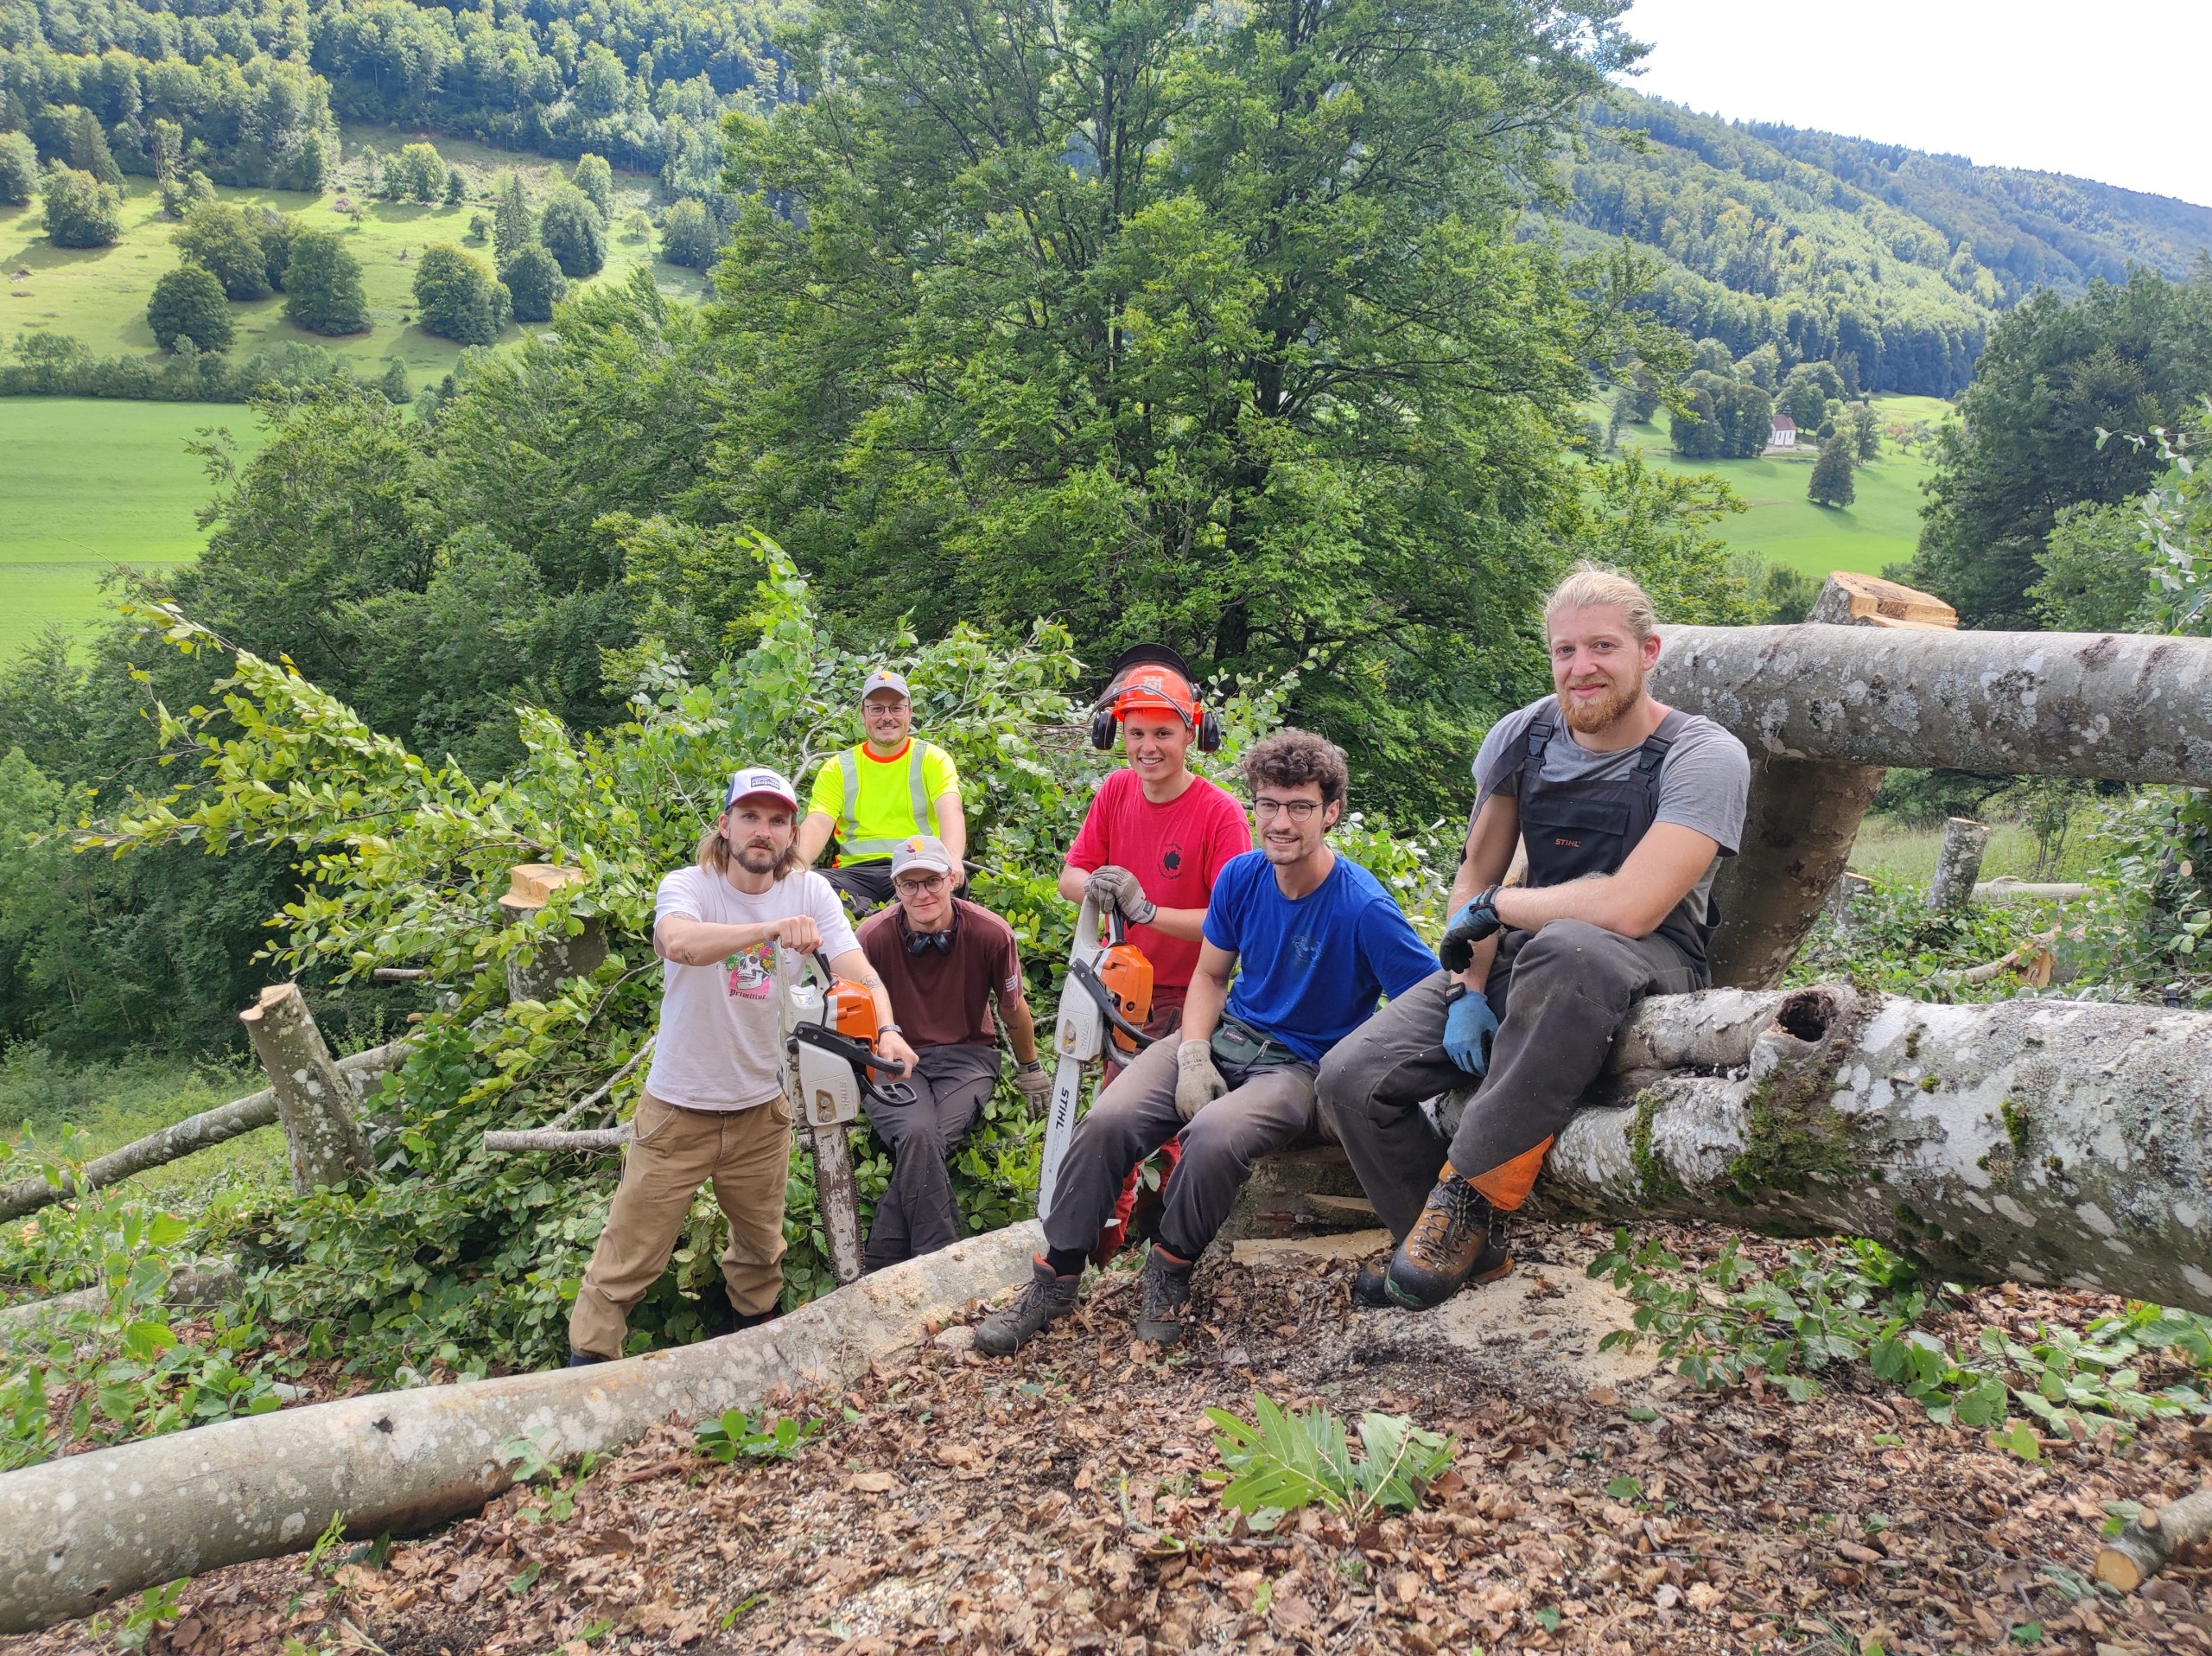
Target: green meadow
[[1880, 527], [98, 295], [91, 485]]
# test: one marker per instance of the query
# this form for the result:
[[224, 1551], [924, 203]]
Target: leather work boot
[[1044, 1302], [1458, 1238], [1165, 1286], [1371, 1289]]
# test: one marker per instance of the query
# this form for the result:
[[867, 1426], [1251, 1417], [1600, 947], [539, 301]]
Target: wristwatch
[[889, 1029]]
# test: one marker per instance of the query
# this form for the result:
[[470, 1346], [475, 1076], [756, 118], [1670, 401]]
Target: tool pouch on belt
[[1245, 1048]]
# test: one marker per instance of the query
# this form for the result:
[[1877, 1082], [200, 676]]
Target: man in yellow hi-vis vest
[[889, 788]]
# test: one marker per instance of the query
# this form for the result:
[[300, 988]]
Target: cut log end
[[2151, 1543]]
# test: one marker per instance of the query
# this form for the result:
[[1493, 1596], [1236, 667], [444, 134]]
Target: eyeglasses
[[929, 882], [1296, 809]]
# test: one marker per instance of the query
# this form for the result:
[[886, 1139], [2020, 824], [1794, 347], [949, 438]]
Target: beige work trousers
[[746, 1153]]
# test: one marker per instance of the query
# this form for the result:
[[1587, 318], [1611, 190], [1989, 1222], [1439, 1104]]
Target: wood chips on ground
[[1054, 1504]]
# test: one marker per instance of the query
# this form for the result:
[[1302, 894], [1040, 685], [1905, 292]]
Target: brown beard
[[1590, 717]]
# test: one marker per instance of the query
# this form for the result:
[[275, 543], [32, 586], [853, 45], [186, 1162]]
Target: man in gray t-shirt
[[1623, 808]]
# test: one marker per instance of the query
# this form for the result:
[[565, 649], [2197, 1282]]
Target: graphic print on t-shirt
[[752, 972], [1171, 860]]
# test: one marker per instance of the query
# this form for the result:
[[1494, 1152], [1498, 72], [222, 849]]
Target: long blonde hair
[[1591, 585]]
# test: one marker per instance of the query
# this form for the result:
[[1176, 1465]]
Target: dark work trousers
[[916, 1214], [1264, 1109], [1560, 994]]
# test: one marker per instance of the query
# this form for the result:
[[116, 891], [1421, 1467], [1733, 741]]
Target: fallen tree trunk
[[188, 1138], [2039, 1141], [2148, 1544], [2129, 707], [192, 1285], [1799, 825], [79, 1533]]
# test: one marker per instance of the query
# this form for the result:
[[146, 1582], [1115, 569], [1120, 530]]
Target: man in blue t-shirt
[[1312, 940]]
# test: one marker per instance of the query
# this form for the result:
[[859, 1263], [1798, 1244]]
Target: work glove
[[1198, 1083], [1475, 921], [1114, 888], [1468, 1026], [1036, 1084]]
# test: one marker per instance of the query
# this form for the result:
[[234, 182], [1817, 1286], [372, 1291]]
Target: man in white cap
[[942, 960], [889, 788], [714, 1105]]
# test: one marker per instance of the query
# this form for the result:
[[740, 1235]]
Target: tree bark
[[1799, 826], [2148, 1544], [313, 1100], [190, 1136], [1958, 865], [557, 1138], [2130, 707], [88, 1530], [837, 1196], [2039, 1141]]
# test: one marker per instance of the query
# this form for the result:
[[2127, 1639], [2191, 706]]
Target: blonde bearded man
[[1626, 807]]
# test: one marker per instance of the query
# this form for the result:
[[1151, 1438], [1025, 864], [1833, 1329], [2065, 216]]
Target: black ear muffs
[[921, 943], [1102, 726], [1208, 730]]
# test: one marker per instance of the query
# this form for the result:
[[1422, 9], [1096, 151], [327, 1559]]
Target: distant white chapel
[[1785, 433]]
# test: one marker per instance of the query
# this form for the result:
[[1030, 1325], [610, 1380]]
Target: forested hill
[[1888, 261]]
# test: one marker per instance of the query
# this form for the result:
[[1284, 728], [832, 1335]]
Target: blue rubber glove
[[1476, 921], [1468, 1026]]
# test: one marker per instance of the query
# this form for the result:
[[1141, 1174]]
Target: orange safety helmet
[[1152, 676]]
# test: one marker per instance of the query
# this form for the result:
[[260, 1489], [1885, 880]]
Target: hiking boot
[[1044, 1302], [1371, 1289], [1458, 1238], [1165, 1286]]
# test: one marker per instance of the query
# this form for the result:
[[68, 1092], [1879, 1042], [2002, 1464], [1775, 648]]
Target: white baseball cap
[[885, 679], [921, 851], [744, 783]]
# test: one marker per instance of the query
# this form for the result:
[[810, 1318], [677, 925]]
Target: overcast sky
[[2115, 91]]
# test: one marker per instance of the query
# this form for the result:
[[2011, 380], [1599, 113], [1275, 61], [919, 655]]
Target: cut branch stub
[[1958, 865], [2040, 1141], [315, 1102], [554, 956]]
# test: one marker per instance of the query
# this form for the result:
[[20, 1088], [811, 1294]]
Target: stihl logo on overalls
[[1571, 844]]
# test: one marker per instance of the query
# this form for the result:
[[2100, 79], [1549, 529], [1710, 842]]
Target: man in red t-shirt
[[1155, 836]]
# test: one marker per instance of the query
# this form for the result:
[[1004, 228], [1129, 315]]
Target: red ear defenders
[[1174, 687]]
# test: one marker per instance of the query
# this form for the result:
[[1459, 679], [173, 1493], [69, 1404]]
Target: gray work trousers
[[1560, 994], [916, 1214], [1263, 1109]]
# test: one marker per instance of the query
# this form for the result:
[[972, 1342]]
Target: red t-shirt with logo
[[1175, 850]]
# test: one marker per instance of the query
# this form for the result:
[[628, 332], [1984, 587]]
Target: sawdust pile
[[1057, 1505]]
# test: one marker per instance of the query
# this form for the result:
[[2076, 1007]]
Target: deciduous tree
[[457, 298], [322, 286], [81, 211], [687, 235], [535, 283], [189, 303], [596, 180], [573, 232], [223, 239], [1180, 323], [18, 170]]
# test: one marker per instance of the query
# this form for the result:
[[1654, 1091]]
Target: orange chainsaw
[[1107, 997]]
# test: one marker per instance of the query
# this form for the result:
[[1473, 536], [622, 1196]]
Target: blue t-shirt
[[1310, 970]]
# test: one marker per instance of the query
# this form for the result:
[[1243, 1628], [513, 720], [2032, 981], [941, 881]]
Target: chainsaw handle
[[1117, 929]]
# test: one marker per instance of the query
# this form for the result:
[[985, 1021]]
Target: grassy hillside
[[1879, 527], [98, 295], [89, 485]]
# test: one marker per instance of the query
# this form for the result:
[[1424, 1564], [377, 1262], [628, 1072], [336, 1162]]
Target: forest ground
[[91, 483], [98, 295], [1061, 1502]]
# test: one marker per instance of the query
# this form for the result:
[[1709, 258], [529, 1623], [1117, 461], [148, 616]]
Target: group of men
[[1291, 993]]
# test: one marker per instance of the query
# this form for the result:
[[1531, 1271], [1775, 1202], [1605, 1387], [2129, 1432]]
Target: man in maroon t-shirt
[[942, 960], [1156, 836]]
